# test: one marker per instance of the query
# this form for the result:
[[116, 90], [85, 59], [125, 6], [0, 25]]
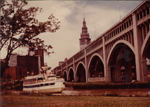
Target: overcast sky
[[99, 16]]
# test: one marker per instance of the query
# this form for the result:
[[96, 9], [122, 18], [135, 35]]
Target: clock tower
[[85, 39]]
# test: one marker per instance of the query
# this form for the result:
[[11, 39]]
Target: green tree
[[20, 28]]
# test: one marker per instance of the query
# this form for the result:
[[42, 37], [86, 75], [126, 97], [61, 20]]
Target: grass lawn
[[72, 101]]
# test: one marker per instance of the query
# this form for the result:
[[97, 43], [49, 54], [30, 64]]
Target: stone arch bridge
[[117, 55]]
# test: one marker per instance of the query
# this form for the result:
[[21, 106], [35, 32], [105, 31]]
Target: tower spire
[[85, 39]]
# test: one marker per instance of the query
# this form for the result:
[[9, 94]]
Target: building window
[[120, 28], [144, 12], [130, 22], [137, 16], [147, 10], [127, 24], [114, 33], [141, 15], [110, 35]]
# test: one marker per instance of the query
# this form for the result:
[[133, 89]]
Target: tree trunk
[[6, 64]]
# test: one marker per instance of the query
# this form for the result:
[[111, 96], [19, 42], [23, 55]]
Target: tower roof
[[85, 39], [84, 29], [84, 23]]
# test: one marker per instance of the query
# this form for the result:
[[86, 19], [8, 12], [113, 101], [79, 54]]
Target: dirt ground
[[72, 101]]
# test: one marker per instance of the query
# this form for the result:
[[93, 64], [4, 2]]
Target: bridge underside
[[81, 77], [122, 64], [96, 68], [71, 75], [146, 54]]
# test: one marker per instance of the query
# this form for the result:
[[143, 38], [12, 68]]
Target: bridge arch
[[121, 61], [96, 66], [81, 72], [146, 41], [71, 74], [118, 42]]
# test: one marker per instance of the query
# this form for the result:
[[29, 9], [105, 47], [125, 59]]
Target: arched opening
[[71, 75], [122, 64], [146, 61], [96, 68], [65, 76], [81, 73]]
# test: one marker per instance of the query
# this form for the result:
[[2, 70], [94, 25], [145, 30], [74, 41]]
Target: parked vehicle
[[43, 83]]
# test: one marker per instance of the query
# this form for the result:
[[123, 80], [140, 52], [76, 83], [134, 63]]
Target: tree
[[20, 28], [2, 67]]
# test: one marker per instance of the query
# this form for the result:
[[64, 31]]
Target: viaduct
[[117, 55]]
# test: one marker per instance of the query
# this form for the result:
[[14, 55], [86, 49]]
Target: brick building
[[21, 66], [29, 62], [15, 73], [41, 54]]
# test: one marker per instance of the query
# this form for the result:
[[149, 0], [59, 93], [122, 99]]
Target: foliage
[[107, 85], [8, 76], [20, 28]]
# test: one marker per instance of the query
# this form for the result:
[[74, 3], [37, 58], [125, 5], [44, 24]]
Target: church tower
[[85, 39]]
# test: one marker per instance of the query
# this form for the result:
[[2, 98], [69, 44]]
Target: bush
[[98, 85], [13, 85]]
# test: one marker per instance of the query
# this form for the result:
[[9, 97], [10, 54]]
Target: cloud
[[99, 16]]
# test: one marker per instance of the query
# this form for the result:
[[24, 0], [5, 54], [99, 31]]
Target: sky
[[99, 17]]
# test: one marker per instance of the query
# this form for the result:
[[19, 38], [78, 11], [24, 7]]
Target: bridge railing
[[79, 55], [64, 65], [143, 14], [94, 45], [70, 61], [119, 28]]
